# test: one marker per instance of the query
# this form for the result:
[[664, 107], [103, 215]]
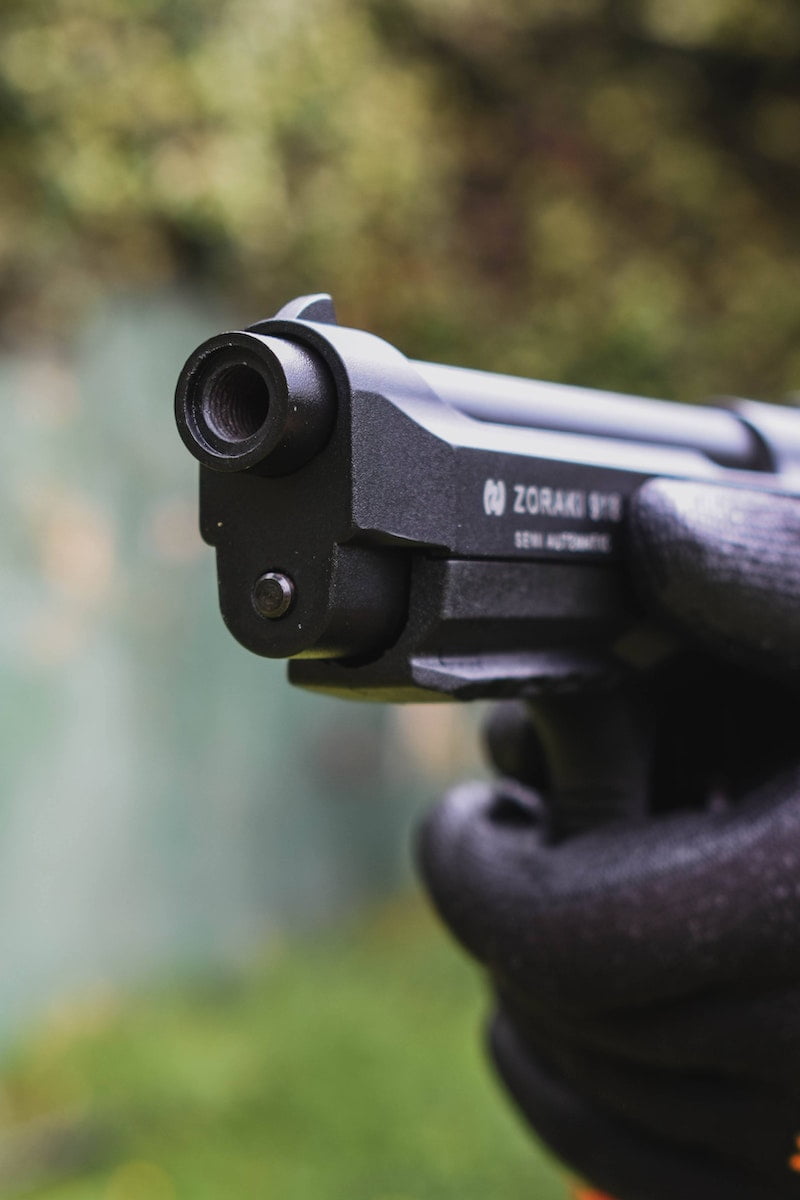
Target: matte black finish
[[261, 403], [447, 533], [536, 405]]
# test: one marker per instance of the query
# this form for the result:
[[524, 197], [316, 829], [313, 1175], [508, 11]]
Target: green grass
[[346, 1067]]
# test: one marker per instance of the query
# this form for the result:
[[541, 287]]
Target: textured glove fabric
[[647, 973], [723, 564]]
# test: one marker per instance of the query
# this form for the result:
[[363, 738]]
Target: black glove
[[647, 973]]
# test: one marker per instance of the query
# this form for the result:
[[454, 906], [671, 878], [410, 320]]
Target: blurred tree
[[627, 183], [597, 190]]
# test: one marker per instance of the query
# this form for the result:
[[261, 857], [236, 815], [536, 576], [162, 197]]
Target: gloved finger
[[722, 564], [610, 1150], [625, 914], [718, 733], [742, 1033], [733, 1116]]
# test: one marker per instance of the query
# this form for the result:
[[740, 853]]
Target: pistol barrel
[[508, 400], [249, 400], [245, 400]]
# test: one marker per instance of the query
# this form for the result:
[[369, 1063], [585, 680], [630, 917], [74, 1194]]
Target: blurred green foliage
[[345, 1069], [603, 191]]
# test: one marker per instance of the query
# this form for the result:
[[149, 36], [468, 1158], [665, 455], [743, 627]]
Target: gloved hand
[[647, 973]]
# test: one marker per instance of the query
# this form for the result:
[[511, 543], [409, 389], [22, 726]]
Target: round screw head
[[273, 595]]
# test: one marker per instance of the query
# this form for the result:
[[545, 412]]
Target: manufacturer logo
[[494, 497]]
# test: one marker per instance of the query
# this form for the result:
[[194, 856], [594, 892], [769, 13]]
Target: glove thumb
[[723, 565]]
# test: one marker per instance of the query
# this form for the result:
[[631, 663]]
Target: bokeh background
[[217, 981]]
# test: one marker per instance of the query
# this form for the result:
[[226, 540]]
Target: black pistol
[[406, 531]]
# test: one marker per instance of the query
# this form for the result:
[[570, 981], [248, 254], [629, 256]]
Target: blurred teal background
[[216, 979], [169, 799]]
